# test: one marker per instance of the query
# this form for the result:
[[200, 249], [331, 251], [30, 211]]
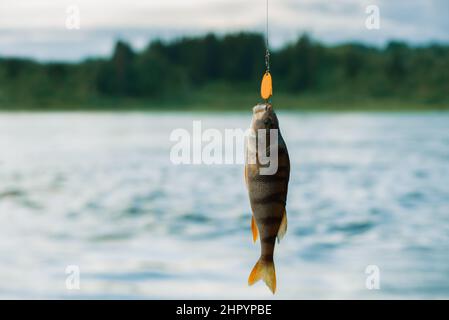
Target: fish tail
[[264, 269]]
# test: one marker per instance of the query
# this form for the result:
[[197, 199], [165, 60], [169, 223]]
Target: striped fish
[[268, 196]]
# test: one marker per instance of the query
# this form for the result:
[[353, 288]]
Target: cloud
[[37, 28]]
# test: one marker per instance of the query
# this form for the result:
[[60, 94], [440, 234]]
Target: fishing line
[[266, 88], [267, 47]]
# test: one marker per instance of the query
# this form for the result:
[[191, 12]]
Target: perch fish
[[267, 193]]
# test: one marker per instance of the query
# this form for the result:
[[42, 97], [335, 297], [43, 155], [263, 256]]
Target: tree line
[[173, 70]]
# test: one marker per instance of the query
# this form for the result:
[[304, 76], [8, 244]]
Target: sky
[[38, 28]]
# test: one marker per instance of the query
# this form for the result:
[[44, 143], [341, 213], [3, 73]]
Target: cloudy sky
[[37, 28]]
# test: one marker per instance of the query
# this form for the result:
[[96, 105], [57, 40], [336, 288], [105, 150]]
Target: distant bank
[[224, 73]]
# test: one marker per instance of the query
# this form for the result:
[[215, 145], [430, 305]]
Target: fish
[[267, 194]]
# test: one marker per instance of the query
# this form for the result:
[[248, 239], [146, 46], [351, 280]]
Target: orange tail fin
[[254, 229], [264, 270]]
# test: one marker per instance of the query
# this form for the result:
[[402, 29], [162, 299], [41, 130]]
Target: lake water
[[98, 191]]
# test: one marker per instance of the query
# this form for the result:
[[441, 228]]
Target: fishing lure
[[266, 88]]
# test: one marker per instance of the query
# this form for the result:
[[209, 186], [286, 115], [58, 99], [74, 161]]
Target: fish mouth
[[261, 107]]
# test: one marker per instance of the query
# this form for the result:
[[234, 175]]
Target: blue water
[[98, 190]]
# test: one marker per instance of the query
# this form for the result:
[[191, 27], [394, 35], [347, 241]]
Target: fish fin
[[283, 227], [254, 229], [246, 176], [264, 270]]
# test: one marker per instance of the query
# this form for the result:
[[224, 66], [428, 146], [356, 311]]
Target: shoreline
[[223, 111]]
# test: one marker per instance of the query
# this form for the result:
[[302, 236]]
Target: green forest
[[224, 72]]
